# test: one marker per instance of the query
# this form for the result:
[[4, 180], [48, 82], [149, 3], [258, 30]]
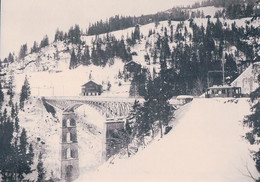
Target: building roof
[[89, 83], [133, 62], [184, 97], [222, 87]]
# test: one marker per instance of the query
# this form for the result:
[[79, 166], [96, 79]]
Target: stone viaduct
[[114, 109]]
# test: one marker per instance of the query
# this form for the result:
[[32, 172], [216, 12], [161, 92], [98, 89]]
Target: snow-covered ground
[[205, 145], [43, 131], [69, 82], [49, 74]]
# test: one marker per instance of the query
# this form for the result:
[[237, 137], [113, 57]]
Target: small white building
[[184, 99]]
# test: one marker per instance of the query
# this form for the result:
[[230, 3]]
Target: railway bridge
[[115, 111]]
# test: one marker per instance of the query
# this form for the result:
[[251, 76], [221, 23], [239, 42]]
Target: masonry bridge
[[115, 111]]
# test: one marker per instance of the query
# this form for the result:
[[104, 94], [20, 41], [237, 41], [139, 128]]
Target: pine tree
[[35, 47], [25, 93], [10, 90], [10, 58], [119, 75], [136, 35], [6, 149], [58, 36], [44, 42], [79, 55], [154, 73], [155, 56], [40, 169], [23, 51], [1, 96], [16, 109], [108, 86], [16, 124], [86, 57], [73, 60], [13, 114], [16, 154], [133, 91], [74, 35], [25, 156]]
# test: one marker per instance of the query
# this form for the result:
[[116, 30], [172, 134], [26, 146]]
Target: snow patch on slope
[[206, 145]]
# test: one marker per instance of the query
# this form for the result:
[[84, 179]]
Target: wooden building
[[223, 91], [132, 67], [91, 88]]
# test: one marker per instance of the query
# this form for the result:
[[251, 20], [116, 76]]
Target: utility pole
[[52, 90], [223, 71]]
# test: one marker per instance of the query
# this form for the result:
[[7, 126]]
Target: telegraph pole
[[223, 71]]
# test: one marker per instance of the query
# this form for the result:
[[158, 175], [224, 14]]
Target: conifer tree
[[58, 35], [86, 57], [25, 156], [35, 47], [13, 114], [119, 75], [23, 51], [1, 95], [10, 90], [44, 42], [73, 60], [25, 92], [40, 169], [136, 33], [10, 58], [16, 154]]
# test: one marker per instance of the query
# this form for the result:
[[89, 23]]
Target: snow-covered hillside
[[49, 74], [206, 144], [44, 133]]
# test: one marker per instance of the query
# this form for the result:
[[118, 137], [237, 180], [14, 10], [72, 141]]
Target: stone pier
[[69, 148], [113, 129]]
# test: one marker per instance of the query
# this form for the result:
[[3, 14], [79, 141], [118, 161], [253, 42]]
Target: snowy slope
[[205, 145], [210, 10], [44, 133], [49, 73]]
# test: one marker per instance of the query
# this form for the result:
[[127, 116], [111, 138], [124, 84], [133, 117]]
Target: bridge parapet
[[109, 107]]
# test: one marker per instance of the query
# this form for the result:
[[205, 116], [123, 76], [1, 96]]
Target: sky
[[24, 21]]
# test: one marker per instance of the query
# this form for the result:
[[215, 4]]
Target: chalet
[[132, 67], [91, 88], [223, 91]]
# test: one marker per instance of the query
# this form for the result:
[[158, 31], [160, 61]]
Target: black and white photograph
[[129, 90]]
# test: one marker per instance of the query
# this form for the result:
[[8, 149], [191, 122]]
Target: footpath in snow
[[206, 145]]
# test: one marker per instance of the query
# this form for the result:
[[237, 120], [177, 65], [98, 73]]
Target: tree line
[[103, 51], [151, 117], [121, 22]]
